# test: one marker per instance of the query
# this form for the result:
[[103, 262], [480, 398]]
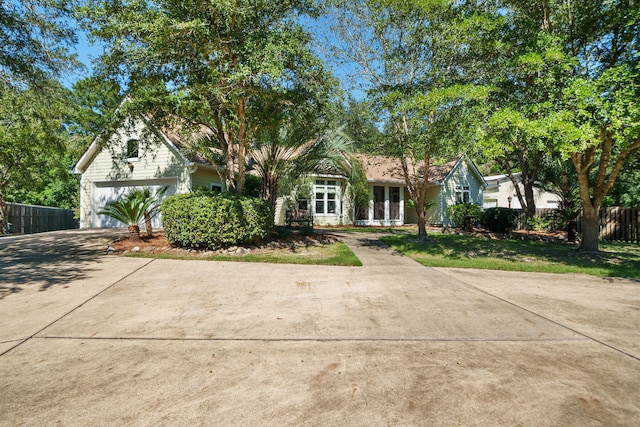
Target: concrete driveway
[[90, 339]]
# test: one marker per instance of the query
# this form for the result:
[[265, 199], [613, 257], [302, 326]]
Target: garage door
[[106, 192]]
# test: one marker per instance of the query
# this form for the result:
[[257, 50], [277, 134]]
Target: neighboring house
[[130, 160], [327, 196], [501, 193]]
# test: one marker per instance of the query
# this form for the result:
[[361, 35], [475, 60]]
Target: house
[[501, 193], [139, 155], [457, 181], [133, 160], [328, 196]]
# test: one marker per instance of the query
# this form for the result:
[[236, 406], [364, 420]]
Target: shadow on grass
[[614, 260]]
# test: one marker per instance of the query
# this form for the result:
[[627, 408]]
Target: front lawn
[[614, 260]]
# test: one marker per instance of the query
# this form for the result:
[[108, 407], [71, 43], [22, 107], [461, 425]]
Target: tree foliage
[[217, 66], [34, 39], [412, 56]]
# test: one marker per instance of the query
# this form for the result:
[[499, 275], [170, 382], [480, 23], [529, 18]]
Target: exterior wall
[[279, 214], [433, 216], [344, 208], [500, 188], [461, 175], [110, 166], [206, 177]]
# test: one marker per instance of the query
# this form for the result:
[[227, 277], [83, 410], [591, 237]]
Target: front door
[[378, 203]]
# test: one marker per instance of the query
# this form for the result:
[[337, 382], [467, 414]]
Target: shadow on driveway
[[41, 261]]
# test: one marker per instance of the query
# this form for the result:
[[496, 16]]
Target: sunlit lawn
[[333, 254], [614, 260]]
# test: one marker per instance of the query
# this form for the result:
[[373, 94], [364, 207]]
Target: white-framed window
[[132, 148], [326, 192], [216, 188], [462, 194]]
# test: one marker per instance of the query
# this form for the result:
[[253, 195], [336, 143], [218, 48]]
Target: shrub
[[499, 220], [464, 215], [215, 220]]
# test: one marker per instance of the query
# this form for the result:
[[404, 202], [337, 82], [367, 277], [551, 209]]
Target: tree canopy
[[216, 65]]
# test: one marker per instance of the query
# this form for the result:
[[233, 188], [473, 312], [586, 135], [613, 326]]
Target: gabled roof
[[170, 137], [385, 169]]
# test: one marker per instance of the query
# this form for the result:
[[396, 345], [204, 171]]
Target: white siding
[[500, 188], [157, 161], [461, 175]]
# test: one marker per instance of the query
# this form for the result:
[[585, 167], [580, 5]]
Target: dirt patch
[[540, 236], [157, 244]]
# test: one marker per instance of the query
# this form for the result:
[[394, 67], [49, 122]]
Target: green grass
[[333, 254], [372, 229], [613, 260]]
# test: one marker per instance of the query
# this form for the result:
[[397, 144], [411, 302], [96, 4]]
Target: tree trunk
[[590, 229], [147, 223], [134, 233], [3, 215], [422, 227], [572, 231]]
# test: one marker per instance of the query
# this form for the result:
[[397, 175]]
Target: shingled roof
[[389, 169]]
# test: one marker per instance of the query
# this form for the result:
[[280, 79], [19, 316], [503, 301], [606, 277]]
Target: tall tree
[[519, 132], [32, 144], [411, 56], [589, 112], [361, 127], [34, 39], [213, 64]]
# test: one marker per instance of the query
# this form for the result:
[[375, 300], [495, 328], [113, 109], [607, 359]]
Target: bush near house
[[499, 220], [215, 220], [464, 215]]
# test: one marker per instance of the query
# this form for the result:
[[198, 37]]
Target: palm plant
[[153, 209], [135, 206], [284, 154]]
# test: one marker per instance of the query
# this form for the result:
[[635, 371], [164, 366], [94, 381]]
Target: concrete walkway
[[90, 339]]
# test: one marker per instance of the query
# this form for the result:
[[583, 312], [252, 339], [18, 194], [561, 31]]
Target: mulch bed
[[539, 236], [157, 244]]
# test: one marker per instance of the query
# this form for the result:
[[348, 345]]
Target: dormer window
[[133, 149]]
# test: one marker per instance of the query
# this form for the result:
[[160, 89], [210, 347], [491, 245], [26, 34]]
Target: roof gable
[[165, 135]]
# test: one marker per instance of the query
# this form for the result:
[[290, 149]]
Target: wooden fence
[[27, 219], [620, 224], [616, 223]]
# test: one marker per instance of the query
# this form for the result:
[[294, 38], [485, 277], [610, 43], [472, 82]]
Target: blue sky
[[87, 52]]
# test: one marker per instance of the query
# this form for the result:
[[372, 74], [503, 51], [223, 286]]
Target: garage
[[105, 192]]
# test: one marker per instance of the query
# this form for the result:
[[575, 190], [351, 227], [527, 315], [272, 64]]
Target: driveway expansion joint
[[76, 308], [369, 340], [471, 286]]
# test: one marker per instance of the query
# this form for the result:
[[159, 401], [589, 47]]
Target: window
[[326, 195], [216, 188], [133, 149], [462, 194]]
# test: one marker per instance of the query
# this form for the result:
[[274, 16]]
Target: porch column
[[387, 214]]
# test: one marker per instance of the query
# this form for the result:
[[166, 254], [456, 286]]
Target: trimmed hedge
[[215, 220], [499, 220]]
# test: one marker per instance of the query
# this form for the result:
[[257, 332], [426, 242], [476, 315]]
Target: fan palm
[[284, 154]]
